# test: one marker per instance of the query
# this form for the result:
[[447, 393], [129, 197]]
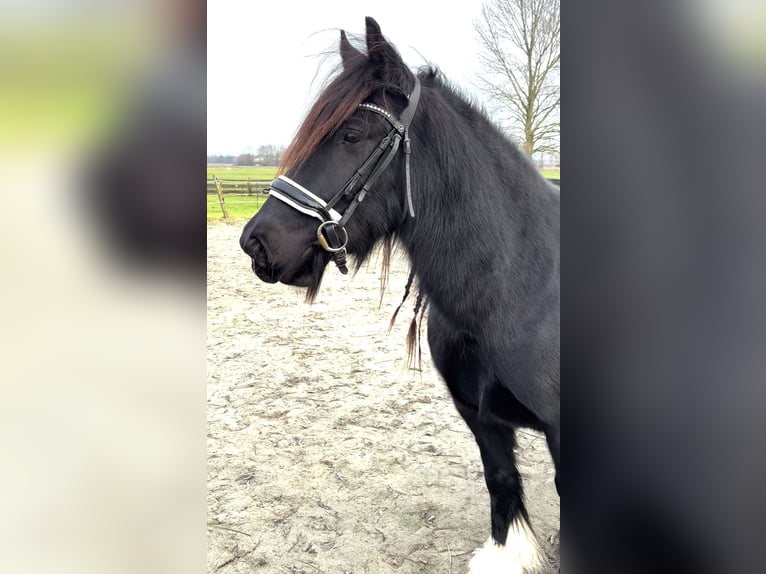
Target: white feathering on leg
[[521, 553]]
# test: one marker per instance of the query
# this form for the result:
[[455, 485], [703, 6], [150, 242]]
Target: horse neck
[[486, 225]]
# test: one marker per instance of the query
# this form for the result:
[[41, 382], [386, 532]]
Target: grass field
[[255, 173], [238, 206], [244, 207]]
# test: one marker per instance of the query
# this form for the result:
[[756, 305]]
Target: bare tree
[[520, 52]]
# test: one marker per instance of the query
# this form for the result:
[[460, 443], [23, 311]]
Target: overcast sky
[[262, 57]]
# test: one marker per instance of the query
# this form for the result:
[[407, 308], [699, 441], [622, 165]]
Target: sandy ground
[[325, 453]]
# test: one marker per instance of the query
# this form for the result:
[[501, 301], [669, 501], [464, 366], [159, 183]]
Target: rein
[[331, 233]]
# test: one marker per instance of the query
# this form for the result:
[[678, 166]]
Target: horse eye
[[351, 137]]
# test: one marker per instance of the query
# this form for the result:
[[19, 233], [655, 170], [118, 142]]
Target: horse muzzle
[[276, 255]]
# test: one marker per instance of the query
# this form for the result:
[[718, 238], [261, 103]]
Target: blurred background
[[663, 281], [102, 149], [102, 144]]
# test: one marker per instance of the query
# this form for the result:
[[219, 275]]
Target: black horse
[[387, 156]]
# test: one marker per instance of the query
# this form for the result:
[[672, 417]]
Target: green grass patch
[[238, 206], [64, 84], [551, 173], [411, 521], [243, 173]]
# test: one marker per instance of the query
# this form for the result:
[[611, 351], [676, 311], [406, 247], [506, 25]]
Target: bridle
[[331, 233]]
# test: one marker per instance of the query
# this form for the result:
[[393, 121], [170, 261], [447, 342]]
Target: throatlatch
[[331, 233]]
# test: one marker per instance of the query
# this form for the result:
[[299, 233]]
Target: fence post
[[249, 187], [219, 189]]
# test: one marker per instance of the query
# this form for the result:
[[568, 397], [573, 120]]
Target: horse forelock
[[337, 102]]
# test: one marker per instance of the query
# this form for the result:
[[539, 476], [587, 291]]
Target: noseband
[[331, 233]]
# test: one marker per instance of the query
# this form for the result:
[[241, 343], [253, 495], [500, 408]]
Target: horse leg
[[512, 547]]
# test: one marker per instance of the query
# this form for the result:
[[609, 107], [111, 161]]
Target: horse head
[[344, 182]]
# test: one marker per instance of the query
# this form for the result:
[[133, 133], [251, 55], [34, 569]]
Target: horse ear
[[379, 51], [374, 35], [348, 53]]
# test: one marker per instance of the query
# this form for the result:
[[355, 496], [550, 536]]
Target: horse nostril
[[259, 258], [255, 249]]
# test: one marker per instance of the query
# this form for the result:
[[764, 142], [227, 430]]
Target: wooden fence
[[239, 186], [257, 188]]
